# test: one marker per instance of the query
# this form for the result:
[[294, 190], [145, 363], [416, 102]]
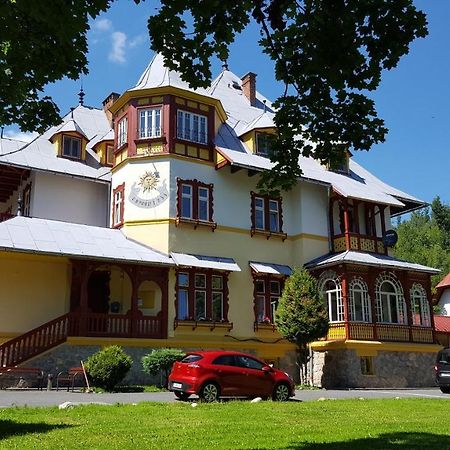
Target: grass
[[385, 424], [132, 388]]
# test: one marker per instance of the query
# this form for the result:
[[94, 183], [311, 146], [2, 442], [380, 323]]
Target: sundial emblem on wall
[[149, 191]]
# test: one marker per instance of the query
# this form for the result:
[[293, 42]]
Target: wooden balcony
[[358, 242], [380, 332]]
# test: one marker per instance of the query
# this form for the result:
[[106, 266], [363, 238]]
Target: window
[[71, 147], [359, 304], [195, 200], [267, 293], [367, 367], [202, 296], [263, 143], [122, 132], [110, 154], [249, 363], [118, 205], [391, 306], [420, 307], [192, 127], [331, 289], [266, 214], [225, 360], [149, 123]]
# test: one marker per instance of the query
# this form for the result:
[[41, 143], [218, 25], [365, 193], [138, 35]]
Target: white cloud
[[102, 25], [138, 40], [119, 43], [21, 136]]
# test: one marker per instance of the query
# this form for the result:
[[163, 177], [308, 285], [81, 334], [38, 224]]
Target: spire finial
[[224, 65], [81, 95]]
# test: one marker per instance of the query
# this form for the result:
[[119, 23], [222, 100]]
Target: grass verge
[[385, 424]]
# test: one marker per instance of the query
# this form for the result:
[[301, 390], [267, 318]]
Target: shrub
[[161, 361], [108, 367]]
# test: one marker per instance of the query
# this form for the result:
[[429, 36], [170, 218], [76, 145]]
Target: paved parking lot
[[11, 398]]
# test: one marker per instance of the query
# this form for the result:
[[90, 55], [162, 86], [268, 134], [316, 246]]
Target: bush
[[161, 361], [108, 367]]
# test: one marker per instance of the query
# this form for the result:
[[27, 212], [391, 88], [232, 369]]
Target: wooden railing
[[358, 242], [380, 332], [34, 342]]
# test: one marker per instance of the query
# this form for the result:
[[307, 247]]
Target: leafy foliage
[[328, 53], [108, 367], [301, 316], [425, 238], [160, 361]]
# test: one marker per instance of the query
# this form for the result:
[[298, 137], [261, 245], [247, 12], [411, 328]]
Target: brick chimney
[[107, 103], [249, 87]]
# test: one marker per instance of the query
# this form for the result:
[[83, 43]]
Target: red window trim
[[209, 291], [195, 184], [119, 188], [266, 231], [267, 294], [117, 147], [160, 106]]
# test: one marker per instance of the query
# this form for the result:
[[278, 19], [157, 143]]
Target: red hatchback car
[[214, 374]]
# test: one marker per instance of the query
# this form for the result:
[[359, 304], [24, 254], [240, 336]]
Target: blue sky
[[414, 98]]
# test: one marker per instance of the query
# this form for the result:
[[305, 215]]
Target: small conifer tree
[[301, 316]]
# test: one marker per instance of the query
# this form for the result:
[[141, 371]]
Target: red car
[[214, 374]]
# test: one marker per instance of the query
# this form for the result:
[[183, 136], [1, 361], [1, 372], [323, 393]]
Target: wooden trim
[[195, 185], [266, 279], [120, 188], [266, 202]]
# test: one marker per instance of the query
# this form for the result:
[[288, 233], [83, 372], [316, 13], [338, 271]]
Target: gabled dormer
[[104, 148], [340, 161], [259, 134], [70, 141]]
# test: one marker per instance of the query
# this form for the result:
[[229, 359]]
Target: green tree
[[160, 361], [328, 53], [301, 316], [423, 239]]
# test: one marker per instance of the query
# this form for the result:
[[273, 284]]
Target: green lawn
[[405, 424]]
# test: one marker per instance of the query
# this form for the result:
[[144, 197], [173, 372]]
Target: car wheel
[[209, 392], [181, 395], [281, 392], [445, 389]]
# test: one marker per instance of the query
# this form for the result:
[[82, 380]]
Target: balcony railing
[[380, 332], [358, 242]]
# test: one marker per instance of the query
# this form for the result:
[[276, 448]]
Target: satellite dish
[[390, 238]]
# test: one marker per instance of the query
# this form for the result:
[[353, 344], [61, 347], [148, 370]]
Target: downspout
[[330, 244]]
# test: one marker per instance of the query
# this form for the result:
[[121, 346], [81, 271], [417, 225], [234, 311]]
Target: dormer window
[[341, 164], [263, 144], [122, 132], [110, 154], [192, 127], [71, 147], [149, 123]]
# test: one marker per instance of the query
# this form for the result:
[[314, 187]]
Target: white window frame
[[262, 209], [149, 119], [202, 198], [358, 285], [332, 296], [122, 132], [72, 139], [190, 125], [420, 306], [396, 297], [190, 197], [117, 212], [274, 212]]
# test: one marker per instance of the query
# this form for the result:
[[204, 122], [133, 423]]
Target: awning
[[269, 268], [205, 262]]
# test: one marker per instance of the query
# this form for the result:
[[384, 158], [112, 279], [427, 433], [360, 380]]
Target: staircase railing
[[34, 342]]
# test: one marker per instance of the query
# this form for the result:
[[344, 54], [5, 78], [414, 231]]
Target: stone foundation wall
[[342, 369]]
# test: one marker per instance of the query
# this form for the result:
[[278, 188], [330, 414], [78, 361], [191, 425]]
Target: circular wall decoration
[[149, 191]]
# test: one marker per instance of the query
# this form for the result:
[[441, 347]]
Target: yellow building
[[141, 224]]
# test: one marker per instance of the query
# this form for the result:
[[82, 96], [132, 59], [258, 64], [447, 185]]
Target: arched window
[[359, 303], [330, 287], [420, 307], [391, 306]]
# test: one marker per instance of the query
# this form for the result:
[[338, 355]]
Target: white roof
[[265, 120], [205, 262], [40, 153], [69, 126], [270, 268], [50, 237], [369, 259]]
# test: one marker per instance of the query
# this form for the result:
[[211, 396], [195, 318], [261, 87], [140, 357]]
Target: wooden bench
[[21, 377], [69, 377]]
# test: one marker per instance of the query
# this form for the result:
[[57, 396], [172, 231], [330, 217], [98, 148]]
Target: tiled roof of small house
[[40, 153], [444, 283], [442, 324]]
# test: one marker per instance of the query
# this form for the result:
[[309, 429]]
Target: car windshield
[[191, 358], [444, 357]]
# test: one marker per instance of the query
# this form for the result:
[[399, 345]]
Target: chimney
[[107, 103], [249, 87]]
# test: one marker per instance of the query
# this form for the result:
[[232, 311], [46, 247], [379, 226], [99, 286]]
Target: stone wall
[[342, 369]]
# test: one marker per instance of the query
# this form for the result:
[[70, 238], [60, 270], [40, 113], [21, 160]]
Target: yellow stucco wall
[[34, 290]]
